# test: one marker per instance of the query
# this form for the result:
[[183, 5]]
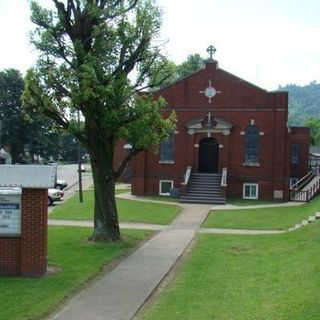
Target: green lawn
[[79, 260], [129, 210], [246, 278], [162, 198], [263, 218], [249, 202]]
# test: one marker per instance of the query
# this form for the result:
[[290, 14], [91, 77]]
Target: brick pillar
[[9, 256], [34, 217]]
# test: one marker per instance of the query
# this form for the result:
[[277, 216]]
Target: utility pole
[[79, 164], [0, 131]]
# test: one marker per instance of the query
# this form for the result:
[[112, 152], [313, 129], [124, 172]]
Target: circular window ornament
[[210, 92]]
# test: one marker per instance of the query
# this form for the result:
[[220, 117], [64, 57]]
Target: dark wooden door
[[208, 155]]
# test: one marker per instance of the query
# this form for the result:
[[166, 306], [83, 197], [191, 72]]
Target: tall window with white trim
[[252, 145], [166, 149]]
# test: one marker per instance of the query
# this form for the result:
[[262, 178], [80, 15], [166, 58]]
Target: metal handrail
[[187, 175], [304, 180], [224, 177]]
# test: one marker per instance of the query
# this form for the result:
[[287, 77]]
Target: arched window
[[252, 145], [166, 149]]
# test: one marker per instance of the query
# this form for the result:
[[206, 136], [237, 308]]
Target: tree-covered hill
[[304, 102]]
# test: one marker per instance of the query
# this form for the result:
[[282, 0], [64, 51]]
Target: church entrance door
[[208, 155]]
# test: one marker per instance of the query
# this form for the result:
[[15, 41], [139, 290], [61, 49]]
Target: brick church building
[[232, 140]]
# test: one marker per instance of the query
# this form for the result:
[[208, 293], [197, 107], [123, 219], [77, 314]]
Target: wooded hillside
[[304, 102]]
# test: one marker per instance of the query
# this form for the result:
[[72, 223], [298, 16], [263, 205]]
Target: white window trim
[[166, 161], [165, 193], [244, 190]]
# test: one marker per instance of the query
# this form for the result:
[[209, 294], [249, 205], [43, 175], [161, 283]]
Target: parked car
[[54, 195], [60, 184]]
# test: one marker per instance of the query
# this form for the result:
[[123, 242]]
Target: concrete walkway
[[121, 292]]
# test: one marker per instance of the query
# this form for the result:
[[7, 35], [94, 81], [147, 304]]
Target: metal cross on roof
[[211, 50]]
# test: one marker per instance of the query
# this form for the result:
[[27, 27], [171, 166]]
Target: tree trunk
[[106, 225]]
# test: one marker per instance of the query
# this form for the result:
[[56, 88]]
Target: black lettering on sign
[[4, 226]]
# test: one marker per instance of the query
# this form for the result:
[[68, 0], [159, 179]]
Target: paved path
[[121, 292]]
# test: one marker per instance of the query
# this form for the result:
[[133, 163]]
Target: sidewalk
[[121, 292]]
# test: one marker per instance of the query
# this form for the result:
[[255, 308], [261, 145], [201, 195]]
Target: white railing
[[187, 176], [306, 188], [303, 181], [224, 177]]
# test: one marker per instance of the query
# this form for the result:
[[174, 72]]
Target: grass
[[161, 198], [246, 278], [79, 260], [128, 210], [264, 218], [249, 202]]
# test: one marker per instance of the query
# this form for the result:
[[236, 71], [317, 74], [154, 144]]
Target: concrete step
[[204, 191], [304, 222], [186, 200], [203, 185], [312, 219], [197, 198], [317, 215]]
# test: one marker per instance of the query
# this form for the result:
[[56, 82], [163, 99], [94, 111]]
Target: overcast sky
[[269, 43]]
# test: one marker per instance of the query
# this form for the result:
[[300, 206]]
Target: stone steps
[[204, 188], [303, 223]]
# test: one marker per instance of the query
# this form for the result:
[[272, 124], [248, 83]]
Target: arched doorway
[[208, 155]]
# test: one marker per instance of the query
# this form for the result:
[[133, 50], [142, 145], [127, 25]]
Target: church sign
[[10, 212], [23, 219]]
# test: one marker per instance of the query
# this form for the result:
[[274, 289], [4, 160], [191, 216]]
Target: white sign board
[[10, 212]]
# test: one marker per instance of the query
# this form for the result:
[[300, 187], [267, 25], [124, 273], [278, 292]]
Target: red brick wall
[[9, 256], [300, 136], [26, 255], [239, 102]]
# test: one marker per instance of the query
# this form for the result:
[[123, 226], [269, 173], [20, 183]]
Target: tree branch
[[126, 160]]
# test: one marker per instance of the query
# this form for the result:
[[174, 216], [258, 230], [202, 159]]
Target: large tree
[[95, 58], [13, 126]]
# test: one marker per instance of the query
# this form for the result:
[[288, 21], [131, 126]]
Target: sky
[[266, 42]]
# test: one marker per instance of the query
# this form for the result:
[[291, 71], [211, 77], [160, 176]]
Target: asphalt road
[[69, 173]]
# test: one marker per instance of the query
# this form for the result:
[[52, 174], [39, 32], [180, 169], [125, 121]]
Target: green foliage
[[13, 126], [168, 71], [88, 52], [314, 125], [193, 63], [96, 58], [26, 137], [26, 298], [245, 278], [304, 102]]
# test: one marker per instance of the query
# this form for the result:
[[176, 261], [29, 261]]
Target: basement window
[[250, 190], [164, 187]]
